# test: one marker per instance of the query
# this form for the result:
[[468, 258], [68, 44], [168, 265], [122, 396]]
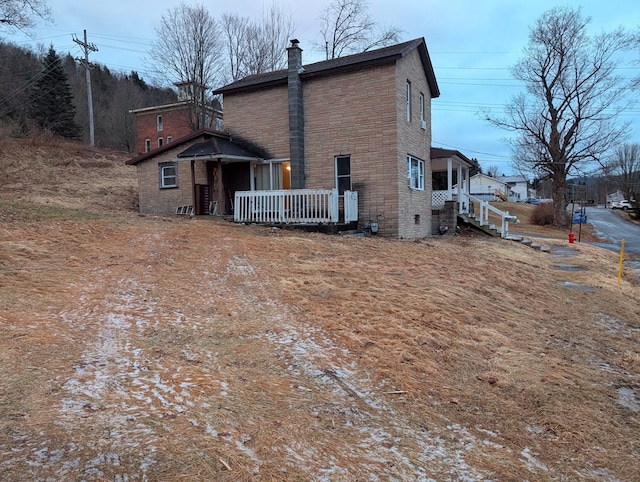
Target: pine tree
[[52, 106]]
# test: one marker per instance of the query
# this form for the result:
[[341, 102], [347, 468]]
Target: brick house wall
[[353, 114], [361, 114], [176, 124], [262, 117], [152, 198], [414, 216]]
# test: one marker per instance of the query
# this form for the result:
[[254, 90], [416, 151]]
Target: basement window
[[168, 175]]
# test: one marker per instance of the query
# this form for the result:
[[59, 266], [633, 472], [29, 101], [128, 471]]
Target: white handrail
[[483, 217]]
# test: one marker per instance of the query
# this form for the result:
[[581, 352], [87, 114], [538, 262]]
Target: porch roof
[[440, 156], [219, 148]]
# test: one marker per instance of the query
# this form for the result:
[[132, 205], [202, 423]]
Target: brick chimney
[[296, 116]]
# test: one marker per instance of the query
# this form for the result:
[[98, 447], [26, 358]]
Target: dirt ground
[[150, 348]]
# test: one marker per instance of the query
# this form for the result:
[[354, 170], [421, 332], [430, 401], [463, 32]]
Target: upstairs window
[[169, 139], [147, 145], [160, 141], [423, 119], [168, 175], [343, 174], [160, 124], [408, 101], [415, 173]]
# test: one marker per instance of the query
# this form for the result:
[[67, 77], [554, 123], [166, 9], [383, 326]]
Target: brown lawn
[[151, 348]]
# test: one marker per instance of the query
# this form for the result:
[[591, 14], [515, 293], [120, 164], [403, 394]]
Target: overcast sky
[[472, 45]]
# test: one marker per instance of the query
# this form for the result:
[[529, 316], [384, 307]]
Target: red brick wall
[[176, 124]]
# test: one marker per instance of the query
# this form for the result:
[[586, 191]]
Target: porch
[[451, 178], [295, 206]]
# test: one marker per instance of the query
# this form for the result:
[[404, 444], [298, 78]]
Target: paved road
[[613, 228]]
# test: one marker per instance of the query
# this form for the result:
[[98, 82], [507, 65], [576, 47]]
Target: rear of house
[[365, 127]]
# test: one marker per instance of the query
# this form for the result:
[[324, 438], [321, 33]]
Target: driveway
[[613, 228]]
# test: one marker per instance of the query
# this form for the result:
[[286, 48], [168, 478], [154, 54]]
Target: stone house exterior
[[357, 123], [362, 122]]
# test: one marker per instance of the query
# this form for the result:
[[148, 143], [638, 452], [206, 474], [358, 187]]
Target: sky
[[472, 45]]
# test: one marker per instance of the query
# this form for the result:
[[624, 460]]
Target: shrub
[[542, 214]]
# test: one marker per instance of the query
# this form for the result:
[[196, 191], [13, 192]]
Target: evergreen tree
[[52, 102]]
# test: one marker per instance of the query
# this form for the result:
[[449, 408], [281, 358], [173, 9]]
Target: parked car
[[624, 205], [532, 200]]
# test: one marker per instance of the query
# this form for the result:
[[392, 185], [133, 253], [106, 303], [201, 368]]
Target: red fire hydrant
[[572, 238]]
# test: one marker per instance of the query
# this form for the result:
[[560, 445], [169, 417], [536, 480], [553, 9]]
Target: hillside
[[53, 172], [170, 348]]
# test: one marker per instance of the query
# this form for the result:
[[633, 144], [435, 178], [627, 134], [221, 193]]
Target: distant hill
[[50, 171]]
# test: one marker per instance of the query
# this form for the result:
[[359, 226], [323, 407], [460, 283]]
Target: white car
[[624, 205]]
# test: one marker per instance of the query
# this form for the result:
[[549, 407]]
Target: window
[[160, 141], [147, 145], [423, 120], [416, 173], [169, 139], [168, 175], [343, 174], [160, 124], [408, 101]]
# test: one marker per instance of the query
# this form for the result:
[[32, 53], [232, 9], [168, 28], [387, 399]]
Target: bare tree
[[625, 164], [567, 119], [188, 50], [257, 46], [493, 170], [347, 27], [22, 14]]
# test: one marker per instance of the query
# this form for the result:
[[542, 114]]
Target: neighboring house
[[489, 188], [519, 187], [615, 197], [160, 125]]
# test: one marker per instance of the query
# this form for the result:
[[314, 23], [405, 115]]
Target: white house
[[489, 188], [519, 187]]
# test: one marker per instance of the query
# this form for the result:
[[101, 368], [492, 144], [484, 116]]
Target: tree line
[[46, 90]]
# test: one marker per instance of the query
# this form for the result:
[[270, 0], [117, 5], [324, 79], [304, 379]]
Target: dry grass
[[143, 348]]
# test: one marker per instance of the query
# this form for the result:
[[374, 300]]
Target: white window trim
[[160, 142], [147, 145], [165, 179], [160, 123], [416, 183], [169, 139], [423, 120]]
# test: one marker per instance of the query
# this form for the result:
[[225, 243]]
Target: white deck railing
[[300, 206], [483, 216]]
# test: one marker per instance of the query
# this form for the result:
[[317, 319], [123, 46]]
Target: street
[[611, 227]]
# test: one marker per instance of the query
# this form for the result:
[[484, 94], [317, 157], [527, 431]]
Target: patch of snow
[[533, 464]]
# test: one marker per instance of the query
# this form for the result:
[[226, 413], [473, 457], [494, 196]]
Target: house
[[359, 123], [489, 188], [160, 125], [519, 187], [343, 140]]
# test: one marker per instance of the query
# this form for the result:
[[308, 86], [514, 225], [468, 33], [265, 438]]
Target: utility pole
[[87, 47]]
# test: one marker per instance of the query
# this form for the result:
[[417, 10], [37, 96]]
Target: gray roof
[[341, 64], [217, 147]]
